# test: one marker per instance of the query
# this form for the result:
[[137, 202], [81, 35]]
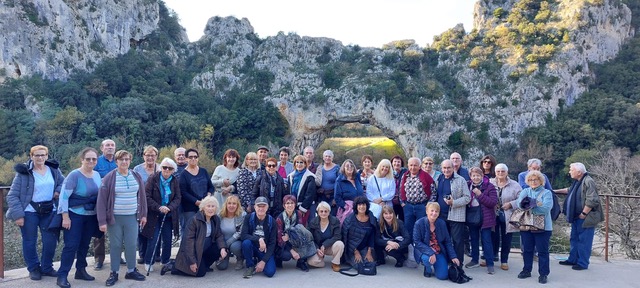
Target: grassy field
[[353, 148]]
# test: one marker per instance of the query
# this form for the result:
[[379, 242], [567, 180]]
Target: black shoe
[[122, 262], [524, 274], [278, 263], [113, 278], [63, 282], [399, 264], [135, 275], [165, 268], [51, 273], [302, 265], [381, 262], [157, 259], [209, 269], [578, 267], [98, 266], [140, 260], [83, 275], [566, 263], [35, 274], [542, 279], [426, 273]]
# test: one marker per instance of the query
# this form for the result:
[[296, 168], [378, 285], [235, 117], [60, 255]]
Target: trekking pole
[[153, 255]]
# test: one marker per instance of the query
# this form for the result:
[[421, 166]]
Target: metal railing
[[606, 219], [4, 190]]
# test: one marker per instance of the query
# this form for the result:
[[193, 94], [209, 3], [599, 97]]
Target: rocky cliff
[[520, 63], [54, 38]]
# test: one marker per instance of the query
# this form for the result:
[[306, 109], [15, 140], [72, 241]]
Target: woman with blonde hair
[[231, 219], [203, 243], [382, 187], [327, 235], [394, 239]]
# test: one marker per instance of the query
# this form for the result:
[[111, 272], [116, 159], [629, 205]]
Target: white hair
[[579, 166], [169, 162], [502, 166], [534, 161]]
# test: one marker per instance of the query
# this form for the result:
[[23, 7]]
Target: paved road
[[617, 273]]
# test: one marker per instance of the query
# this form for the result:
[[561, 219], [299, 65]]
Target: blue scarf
[[297, 178], [165, 189]]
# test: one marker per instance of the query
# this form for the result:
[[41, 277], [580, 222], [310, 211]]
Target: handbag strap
[[343, 271], [376, 179]]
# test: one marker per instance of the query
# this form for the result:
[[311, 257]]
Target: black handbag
[[474, 215], [457, 275], [364, 268]]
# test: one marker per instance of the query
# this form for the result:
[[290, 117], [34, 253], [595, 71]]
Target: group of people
[[266, 211]]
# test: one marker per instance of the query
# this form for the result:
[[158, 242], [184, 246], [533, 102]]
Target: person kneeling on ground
[[259, 240], [202, 244], [433, 245]]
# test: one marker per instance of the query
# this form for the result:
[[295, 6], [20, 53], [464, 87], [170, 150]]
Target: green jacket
[[590, 198]]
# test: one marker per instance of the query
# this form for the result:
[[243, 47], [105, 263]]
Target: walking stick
[[153, 255]]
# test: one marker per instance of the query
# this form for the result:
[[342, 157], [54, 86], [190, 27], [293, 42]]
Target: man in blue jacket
[[259, 240]]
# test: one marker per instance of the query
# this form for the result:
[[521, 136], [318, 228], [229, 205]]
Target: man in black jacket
[[259, 240]]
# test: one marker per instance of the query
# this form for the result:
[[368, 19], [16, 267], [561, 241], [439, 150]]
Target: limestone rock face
[[55, 37]]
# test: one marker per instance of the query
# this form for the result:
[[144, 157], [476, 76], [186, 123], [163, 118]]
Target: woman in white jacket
[[381, 187]]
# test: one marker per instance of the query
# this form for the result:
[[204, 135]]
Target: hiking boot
[[113, 278], [249, 272]]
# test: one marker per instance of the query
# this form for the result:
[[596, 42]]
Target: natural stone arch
[[312, 125]]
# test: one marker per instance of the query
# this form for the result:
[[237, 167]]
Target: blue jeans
[[501, 241], [581, 241], [165, 242], [441, 267], [413, 212], [32, 222], [76, 242], [249, 251], [540, 242], [478, 234]]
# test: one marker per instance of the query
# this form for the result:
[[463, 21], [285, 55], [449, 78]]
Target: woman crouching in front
[[433, 245]]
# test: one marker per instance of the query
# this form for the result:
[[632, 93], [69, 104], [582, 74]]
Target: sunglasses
[[91, 159], [428, 163], [193, 157], [486, 161], [271, 165], [300, 162], [167, 168]]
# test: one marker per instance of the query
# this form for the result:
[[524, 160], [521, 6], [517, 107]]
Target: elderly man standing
[[456, 160], [181, 159], [309, 154], [259, 240], [453, 197], [533, 164], [416, 189], [263, 154], [106, 163], [583, 211]]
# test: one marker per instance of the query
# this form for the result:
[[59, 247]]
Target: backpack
[[555, 210], [457, 275]]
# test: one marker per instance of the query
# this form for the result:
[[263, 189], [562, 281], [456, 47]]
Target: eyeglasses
[[193, 157], [167, 168], [125, 159], [486, 161], [39, 155], [500, 171], [323, 211], [300, 162], [150, 155], [534, 180], [271, 165], [90, 159], [427, 163]]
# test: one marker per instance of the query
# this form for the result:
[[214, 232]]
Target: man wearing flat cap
[[263, 154], [259, 240]]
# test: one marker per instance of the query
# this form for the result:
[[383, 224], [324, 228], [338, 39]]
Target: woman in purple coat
[[483, 193]]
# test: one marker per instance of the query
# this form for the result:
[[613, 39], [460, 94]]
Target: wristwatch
[[585, 214]]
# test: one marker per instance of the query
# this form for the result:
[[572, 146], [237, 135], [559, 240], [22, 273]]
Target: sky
[[367, 23]]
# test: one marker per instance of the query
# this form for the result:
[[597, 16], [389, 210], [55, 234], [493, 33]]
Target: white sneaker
[[148, 267]]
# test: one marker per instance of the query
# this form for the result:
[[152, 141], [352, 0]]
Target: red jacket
[[425, 179]]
